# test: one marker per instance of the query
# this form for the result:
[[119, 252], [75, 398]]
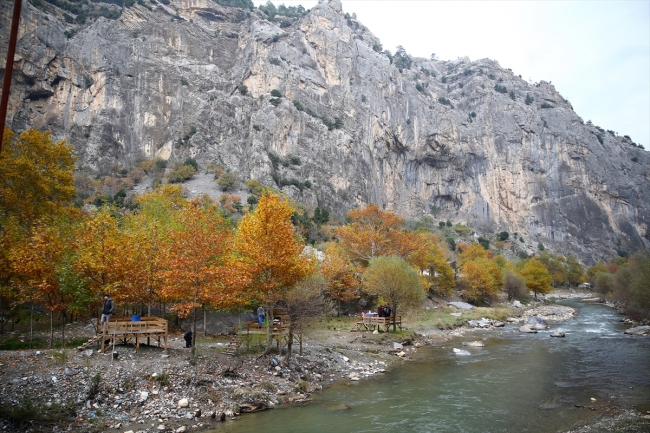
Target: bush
[[276, 93], [451, 242], [377, 48], [401, 59], [485, 243], [192, 162], [503, 236], [540, 247], [275, 61], [512, 95], [298, 105], [501, 89], [443, 79], [441, 224], [243, 89], [419, 87], [294, 160], [228, 181], [275, 101], [600, 138], [181, 173], [184, 82], [445, 101], [254, 187], [529, 99], [251, 200], [448, 223], [546, 105]]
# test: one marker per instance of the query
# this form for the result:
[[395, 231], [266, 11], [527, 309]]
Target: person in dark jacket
[[107, 309], [188, 339]]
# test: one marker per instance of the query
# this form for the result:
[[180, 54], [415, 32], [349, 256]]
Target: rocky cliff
[[468, 139]]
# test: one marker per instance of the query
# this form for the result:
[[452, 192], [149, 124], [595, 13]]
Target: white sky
[[596, 53]]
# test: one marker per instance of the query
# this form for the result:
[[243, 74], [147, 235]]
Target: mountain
[[462, 140]]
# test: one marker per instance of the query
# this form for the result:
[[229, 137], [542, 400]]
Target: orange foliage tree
[[373, 233], [342, 277], [271, 253], [195, 262]]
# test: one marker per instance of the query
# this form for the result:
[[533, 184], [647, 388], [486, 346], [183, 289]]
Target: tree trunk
[[194, 331], [31, 324], [269, 321], [63, 336], [51, 328], [290, 342], [394, 317], [205, 322]]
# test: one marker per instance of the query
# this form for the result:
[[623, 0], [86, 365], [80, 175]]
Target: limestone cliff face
[[435, 134]]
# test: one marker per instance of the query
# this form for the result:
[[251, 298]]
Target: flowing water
[[516, 383]]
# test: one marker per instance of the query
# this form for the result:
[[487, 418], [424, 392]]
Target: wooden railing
[[125, 328]]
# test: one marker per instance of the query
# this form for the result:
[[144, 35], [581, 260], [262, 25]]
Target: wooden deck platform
[[123, 328], [369, 323], [279, 330]]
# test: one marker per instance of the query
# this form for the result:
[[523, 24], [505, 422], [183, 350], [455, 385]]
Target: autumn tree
[[372, 233], [105, 256], [42, 266], [271, 252], [342, 277], [476, 283], [195, 259], [537, 277], [36, 176], [395, 281], [438, 275]]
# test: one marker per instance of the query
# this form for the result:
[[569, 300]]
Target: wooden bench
[[126, 329], [372, 322]]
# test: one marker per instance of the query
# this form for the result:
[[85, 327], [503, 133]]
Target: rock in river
[[639, 330]]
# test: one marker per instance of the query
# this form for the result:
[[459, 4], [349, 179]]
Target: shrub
[[243, 89], [254, 187], [545, 105], [485, 243], [285, 23], [275, 61], [276, 93], [443, 79], [160, 163], [401, 59], [181, 173], [377, 47], [512, 95], [600, 138], [540, 246], [448, 223], [441, 224], [419, 87], [192, 162], [294, 160], [184, 82], [257, 128], [445, 101], [472, 114], [298, 105], [501, 89], [275, 101], [251, 200], [451, 242], [228, 181], [529, 99], [275, 160], [503, 236]]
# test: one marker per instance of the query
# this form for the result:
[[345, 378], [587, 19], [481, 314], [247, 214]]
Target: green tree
[[575, 272], [537, 277], [228, 181], [402, 59], [395, 281], [514, 285]]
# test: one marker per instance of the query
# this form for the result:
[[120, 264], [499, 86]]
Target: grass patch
[[28, 411]]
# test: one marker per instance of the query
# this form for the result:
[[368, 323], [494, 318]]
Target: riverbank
[[150, 391]]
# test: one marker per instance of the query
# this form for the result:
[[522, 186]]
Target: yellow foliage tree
[[537, 277], [271, 252], [36, 176], [477, 284], [439, 276]]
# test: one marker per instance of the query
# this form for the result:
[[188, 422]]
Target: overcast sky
[[596, 53]]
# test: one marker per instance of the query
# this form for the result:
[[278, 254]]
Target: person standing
[[188, 339], [107, 309], [260, 315]]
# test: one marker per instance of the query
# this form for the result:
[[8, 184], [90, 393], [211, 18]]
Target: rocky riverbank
[[152, 391]]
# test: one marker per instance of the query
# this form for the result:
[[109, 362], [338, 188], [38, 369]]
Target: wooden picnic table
[[372, 322]]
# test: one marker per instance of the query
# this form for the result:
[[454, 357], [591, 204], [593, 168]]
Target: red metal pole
[[9, 69]]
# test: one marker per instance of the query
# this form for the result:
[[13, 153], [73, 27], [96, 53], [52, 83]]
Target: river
[[515, 383]]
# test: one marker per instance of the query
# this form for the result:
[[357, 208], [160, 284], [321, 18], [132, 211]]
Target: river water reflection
[[516, 383]]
